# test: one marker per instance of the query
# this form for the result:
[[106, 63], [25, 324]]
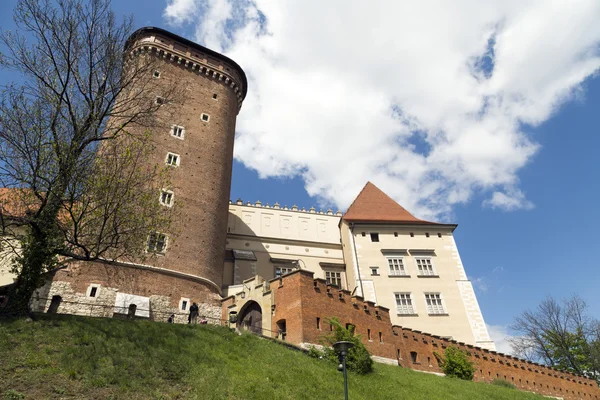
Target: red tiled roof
[[372, 205]]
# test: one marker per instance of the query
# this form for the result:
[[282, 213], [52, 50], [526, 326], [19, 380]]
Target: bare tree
[[561, 335], [74, 137]]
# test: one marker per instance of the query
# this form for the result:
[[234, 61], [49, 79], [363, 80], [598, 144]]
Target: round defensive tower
[[194, 140], [199, 137]]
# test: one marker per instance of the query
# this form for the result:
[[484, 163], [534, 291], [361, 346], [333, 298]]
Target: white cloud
[[480, 284], [401, 93], [180, 11], [512, 200], [500, 336]]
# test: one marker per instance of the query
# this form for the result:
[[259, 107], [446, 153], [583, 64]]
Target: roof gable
[[372, 205]]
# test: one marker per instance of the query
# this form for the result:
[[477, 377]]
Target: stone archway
[[250, 317]]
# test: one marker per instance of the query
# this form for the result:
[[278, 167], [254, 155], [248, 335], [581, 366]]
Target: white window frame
[[435, 309], [164, 248], [374, 270], [429, 269], [202, 117], [405, 309], [177, 161], [89, 290], [178, 128], [401, 271], [281, 270], [187, 304], [154, 74], [339, 278], [162, 193]]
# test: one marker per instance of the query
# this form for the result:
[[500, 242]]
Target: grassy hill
[[66, 357]]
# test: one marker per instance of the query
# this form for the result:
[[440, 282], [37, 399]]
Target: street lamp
[[342, 348]]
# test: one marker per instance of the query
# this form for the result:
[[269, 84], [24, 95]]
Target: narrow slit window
[[318, 323]]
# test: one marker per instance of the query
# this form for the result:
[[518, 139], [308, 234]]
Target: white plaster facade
[[319, 242]]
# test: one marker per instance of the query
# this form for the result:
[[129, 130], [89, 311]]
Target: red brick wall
[[300, 300], [135, 281]]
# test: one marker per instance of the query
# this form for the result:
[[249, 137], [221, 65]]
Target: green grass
[[66, 357]]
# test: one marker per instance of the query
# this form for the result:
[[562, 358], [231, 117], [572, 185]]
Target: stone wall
[[301, 300], [163, 290]]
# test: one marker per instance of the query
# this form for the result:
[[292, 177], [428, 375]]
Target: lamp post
[[343, 347]]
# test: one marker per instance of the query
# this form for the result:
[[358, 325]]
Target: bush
[[503, 383], [358, 358], [456, 363]]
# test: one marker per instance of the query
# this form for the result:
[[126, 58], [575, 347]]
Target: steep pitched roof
[[372, 205]]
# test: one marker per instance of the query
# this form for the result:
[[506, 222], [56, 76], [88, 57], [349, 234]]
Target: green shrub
[[503, 383], [315, 352], [358, 358], [456, 363], [11, 394]]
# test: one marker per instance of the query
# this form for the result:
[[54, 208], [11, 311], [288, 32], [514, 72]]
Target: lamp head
[[343, 346]]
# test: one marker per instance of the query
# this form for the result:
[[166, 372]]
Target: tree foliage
[[456, 363], [75, 135], [561, 335], [358, 358]]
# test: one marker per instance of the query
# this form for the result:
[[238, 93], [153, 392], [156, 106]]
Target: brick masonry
[[300, 300]]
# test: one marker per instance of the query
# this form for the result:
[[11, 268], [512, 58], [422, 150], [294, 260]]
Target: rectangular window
[[166, 198], [156, 74], [396, 265], [369, 334], [318, 323], [404, 304], [157, 242], [93, 290], [184, 303], [172, 159], [374, 237], [177, 131], [205, 117], [334, 278], [374, 270], [160, 100], [280, 271], [434, 303], [424, 266], [380, 337]]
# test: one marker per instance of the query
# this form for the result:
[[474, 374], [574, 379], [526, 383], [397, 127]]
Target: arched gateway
[[250, 317]]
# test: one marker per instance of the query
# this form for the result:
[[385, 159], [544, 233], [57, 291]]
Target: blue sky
[[487, 118]]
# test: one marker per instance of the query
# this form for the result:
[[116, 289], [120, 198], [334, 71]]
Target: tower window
[[178, 131], [205, 117], [166, 198], [157, 242], [214, 96], [156, 74], [374, 237], [172, 159], [93, 290], [160, 100]]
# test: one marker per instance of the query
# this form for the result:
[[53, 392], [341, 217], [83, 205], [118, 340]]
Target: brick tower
[[196, 144]]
